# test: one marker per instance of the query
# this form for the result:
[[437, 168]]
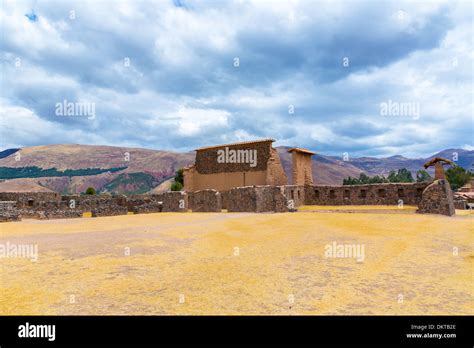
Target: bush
[[179, 177], [90, 191], [176, 186], [178, 183]]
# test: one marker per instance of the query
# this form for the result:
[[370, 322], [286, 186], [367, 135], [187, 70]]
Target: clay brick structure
[[438, 163], [206, 201], [437, 199], [223, 167], [302, 166]]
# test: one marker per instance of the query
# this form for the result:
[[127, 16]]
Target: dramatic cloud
[[178, 75]]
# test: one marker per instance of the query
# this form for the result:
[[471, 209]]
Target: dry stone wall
[[437, 199], [9, 211], [373, 194], [257, 199], [266, 198], [206, 201]]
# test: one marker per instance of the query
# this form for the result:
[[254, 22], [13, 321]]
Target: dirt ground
[[239, 263]]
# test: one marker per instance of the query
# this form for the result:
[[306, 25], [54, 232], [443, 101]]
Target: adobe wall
[[208, 173], [276, 175], [225, 181], [207, 159], [373, 194], [206, 201], [302, 173]]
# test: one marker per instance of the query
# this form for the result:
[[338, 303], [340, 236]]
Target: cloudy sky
[[368, 78]]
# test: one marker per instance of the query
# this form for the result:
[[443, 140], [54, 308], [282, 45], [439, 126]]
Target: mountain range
[[71, 168]]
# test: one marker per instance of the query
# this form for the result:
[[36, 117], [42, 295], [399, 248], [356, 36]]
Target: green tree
[[178, 183], [422, 176], [403, 175], [457, 177], [90, 191], [363, 179], [176, 186], [179, 177]]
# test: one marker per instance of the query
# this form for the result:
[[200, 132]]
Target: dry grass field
[[230, 263]]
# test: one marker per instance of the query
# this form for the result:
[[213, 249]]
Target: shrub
[[90, 191], [176, 186], [178, 183]]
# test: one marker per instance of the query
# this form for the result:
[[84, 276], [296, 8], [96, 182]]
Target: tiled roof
[[297, 149], [236, 144]]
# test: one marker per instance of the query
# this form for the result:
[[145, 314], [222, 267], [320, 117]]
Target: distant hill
[[144, 169], [147, 170]]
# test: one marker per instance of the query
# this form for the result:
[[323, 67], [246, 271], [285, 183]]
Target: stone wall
[[87, 203], [295, 195], [29, 199], [149, 207], [437, 199], [460, 204], [373, 194], [206, 201], [109, 210], [257, 199], [9, 211], [176, 201]]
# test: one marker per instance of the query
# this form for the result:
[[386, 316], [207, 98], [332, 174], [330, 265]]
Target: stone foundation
[[437, 199]]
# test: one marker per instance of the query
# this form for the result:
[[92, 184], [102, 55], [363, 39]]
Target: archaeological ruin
[[238, 177]]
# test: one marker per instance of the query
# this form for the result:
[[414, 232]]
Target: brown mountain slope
[[148, 170], [22, 185]]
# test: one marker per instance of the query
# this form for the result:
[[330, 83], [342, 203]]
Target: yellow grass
[[83, 267], [357, 207]]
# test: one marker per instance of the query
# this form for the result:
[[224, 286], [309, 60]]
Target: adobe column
[[302, 166]]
